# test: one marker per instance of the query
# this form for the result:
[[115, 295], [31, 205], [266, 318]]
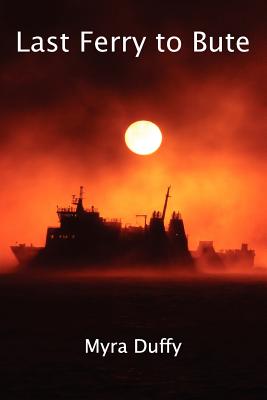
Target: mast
[[81, 192], [79, 201], [165, 203]]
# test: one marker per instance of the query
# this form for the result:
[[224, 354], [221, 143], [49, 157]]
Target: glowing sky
[[63, 120]]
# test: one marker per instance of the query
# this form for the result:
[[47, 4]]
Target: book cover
[[133, 242]]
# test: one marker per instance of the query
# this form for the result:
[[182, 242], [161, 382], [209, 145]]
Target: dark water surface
[[221, 322]]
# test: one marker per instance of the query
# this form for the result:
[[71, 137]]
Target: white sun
[[143, 137]]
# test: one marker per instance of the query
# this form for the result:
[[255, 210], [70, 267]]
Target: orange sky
[[62, 124], [217, 182]]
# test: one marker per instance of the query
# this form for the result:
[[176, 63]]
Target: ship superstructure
[[232, 259], [84, 237]]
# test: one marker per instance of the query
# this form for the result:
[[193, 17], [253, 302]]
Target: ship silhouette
[[85, 239]]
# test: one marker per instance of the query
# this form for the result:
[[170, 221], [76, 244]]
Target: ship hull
[[105, 258], [85, 239], [41, 257], [26, 254]]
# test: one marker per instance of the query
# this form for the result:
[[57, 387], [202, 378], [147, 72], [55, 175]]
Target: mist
[[63, 122]]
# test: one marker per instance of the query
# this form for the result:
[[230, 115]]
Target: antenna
[[165, 203], [81, 193]]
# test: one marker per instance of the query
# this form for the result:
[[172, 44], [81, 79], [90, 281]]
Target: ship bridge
[[79, 212], [84, 225]]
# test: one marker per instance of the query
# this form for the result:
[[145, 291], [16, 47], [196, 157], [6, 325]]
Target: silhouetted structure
[[207, 257], [243, 257], [85, 238]]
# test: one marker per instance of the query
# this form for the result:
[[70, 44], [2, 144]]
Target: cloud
[[63, 120]]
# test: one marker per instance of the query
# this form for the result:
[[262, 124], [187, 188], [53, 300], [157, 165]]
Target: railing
[[66, 210], [73, 210]]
